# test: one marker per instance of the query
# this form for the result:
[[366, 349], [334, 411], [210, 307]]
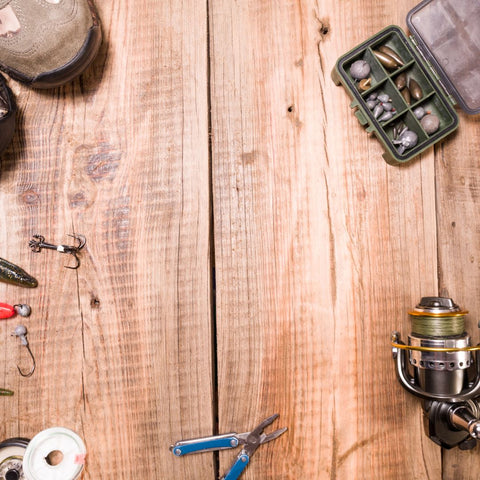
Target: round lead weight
[[360, 69], [430, 123], [54, 454]]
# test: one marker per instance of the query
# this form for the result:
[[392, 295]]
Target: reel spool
[[439, 323], [12, 452], [54, 454]]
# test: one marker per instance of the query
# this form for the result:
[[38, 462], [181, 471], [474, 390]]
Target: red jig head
[[8, 311]]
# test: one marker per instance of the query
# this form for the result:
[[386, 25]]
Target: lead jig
[[8, 311], [11, 273], [21, 332]]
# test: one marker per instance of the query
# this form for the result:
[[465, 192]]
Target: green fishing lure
[[11, 273]]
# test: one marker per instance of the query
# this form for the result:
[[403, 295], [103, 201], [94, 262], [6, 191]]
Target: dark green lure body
[[11, 273]]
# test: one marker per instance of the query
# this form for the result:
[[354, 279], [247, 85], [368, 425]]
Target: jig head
[[21, 332], [8, 311], [37, 243]]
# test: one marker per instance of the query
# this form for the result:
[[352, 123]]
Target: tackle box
[[442, 55]]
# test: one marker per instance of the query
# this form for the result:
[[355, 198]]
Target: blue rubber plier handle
[[250, 440]]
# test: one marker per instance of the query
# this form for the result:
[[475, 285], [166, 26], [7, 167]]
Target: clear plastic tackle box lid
[[448, 34]]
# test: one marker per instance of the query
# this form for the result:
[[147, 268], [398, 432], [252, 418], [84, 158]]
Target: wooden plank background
[[248, 249]]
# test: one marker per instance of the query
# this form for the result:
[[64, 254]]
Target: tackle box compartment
[[441, 58]]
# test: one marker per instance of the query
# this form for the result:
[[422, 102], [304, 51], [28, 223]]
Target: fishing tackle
[[420, 112], [365, 84], [371, 104], [378, 110], [13, 274], [6, 393], [360, 69], [401, 81], [21, 332], [407, 139], [430, 123], [437, 365], [8, 311], [406, 95], [386, 116], [38, 242], [398, 129], [392, 53], [386, 60], [415, 89], [384, 98]]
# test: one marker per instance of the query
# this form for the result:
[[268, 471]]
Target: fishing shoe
[[8, 111], [47, 43]]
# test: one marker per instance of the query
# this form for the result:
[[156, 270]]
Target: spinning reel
[[11, 458], [437, 365]]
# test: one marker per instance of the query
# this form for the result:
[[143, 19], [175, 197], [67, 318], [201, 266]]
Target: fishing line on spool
[[53, 454]]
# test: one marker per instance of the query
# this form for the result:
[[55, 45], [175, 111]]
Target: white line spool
[[54, 454]]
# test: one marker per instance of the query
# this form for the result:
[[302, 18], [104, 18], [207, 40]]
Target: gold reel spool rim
[[402, 346], [416, 313]]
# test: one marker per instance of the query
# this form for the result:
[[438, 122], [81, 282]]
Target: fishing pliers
[[250, 440]]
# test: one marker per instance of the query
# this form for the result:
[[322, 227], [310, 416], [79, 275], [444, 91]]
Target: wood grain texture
[[123, 344], [209, 136], [456, 165], [319, 250]]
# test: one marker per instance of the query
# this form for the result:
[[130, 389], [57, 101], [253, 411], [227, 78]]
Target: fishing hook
[[21, 332], [38, 242]]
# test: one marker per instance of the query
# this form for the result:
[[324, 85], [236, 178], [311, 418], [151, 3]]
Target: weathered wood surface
[[123, 344], [333, 245], [458, 201], [249, 251]]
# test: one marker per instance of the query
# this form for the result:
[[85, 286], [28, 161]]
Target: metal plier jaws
[[251, 441]]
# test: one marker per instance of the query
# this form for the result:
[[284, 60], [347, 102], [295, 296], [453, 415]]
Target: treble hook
[[38, 242], [21, 332]]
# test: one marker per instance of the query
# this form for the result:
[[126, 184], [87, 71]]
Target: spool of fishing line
[[54, 454], [438, 324]]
